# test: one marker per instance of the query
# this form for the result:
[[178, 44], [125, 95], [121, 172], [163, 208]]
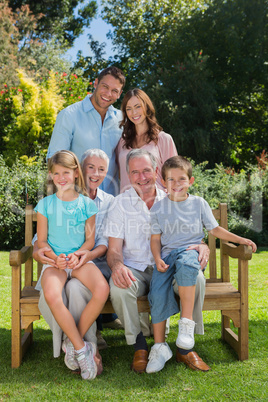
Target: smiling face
[[107, 91], [95, 170], [177, 183], [135, 111], [63, 178], [142, 176]]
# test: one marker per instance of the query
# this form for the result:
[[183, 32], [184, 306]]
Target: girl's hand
[[250, 243], [73, 261], [61, 261], [161, 266], [83, 257]]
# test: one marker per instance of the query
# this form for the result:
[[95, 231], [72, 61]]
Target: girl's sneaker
[[70, 358], [185, 338], [86, 361]]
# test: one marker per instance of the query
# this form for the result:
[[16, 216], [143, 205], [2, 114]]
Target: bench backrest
[[212, 274]]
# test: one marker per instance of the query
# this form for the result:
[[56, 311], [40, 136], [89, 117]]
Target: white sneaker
[[70, 358], [86, 361], [159, 355], [185, 338]]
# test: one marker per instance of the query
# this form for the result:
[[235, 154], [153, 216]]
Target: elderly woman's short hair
[[99, 153]]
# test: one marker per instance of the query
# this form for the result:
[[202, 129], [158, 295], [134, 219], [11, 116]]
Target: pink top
[[164, 149]]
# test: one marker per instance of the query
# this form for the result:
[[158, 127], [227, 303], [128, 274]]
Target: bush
[[21, 184], [245, 192]]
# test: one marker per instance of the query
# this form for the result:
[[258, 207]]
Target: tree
[[57, 18], [223, 108]]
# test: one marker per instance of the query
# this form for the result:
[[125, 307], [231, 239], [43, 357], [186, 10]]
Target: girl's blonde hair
[[68, 160]]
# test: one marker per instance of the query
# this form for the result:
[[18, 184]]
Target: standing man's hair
[[115, 72]]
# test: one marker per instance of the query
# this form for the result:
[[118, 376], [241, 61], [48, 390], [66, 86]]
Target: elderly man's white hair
[[139, 153], [99, 153]]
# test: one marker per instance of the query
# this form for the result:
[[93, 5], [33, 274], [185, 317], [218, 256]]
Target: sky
[[98, 29]]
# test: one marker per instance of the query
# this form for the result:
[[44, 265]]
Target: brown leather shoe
[[140, 361], [192, 360]]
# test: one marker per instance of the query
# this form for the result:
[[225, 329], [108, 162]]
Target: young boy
[[177, 222]]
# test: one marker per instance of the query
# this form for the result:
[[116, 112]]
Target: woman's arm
[[83, 254]]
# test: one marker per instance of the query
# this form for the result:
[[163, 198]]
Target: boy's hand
[[61, 261], [161, 265], [73, 261], [250, 243]]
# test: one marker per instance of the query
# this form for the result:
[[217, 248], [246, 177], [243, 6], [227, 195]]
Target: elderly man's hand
[[204, 252], [123, 277]]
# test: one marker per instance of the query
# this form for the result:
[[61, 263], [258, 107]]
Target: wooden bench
[[220, 293]]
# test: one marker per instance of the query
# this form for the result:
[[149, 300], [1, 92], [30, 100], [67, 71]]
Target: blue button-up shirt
[[79, 127]]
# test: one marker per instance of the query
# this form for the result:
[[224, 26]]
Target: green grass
[[43, 378]]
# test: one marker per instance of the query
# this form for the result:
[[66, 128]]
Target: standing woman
[[141, 130]]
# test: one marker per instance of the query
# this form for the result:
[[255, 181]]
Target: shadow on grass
[[40, 367]]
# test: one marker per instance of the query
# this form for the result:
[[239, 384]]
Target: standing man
[[131, 261], [93, 123]]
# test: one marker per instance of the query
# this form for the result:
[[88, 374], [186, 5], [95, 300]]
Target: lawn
[[43, 378]]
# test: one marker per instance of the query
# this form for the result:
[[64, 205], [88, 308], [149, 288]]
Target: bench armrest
[[18, 257], [241, 252]]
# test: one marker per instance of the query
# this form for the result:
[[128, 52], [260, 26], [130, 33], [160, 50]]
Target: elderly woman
[[94, 164]]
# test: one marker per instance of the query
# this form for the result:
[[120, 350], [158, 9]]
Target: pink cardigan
[[164, 149]]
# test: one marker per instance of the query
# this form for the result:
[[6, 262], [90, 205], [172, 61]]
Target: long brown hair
[[129, 130]]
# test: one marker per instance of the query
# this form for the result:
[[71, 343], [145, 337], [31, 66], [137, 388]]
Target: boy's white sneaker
[[86, 361], [70, 358], [159, 355], [185, 338]]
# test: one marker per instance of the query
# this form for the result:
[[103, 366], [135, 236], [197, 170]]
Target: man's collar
[[88, 106], [135, 198]]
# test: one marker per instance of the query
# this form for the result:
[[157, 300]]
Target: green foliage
[[28, 112], [218, 112], [245, 192], [57, 19], [23, 182]]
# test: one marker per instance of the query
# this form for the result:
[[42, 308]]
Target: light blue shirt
[[79, 127], [66, 221]]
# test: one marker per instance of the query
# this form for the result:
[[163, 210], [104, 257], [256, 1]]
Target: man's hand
[[161, 266], [39, 256], [204, 252], [123, 277]]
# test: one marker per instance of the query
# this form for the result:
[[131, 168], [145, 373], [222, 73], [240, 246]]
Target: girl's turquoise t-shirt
[[66, 221]]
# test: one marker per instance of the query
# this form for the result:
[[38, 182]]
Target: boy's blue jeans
[[184, 268]]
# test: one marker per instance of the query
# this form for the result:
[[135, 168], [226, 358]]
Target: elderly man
[[130, 259]]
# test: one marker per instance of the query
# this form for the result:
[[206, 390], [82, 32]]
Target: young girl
[[66, 224]]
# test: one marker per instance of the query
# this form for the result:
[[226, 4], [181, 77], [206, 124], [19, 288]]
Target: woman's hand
[[83, 257], [72, 261]]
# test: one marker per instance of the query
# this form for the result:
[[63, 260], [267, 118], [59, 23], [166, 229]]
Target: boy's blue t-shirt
[[181, 223], [66, 221]]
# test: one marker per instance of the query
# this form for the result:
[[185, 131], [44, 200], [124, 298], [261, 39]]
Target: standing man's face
[[142, 176], [107, 91]]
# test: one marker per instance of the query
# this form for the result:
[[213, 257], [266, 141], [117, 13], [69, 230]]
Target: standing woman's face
[[95, 170], [135, 110]]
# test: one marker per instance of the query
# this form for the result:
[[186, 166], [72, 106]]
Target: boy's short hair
[[177, 162], [114, 72]]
